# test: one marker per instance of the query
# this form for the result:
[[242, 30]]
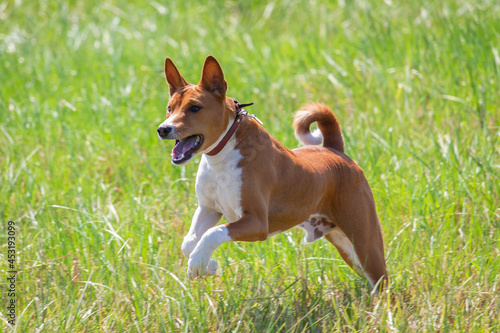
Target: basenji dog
[[261, 187]]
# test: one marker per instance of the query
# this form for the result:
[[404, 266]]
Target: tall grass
[[101, 212]]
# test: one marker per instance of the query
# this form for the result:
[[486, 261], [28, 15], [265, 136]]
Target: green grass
[[101, 212]]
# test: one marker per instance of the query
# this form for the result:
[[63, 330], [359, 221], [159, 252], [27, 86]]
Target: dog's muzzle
[[164, 132]]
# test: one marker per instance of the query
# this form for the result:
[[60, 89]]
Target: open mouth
[[185, 148]]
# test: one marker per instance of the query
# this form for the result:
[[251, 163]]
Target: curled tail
[[329, 128]]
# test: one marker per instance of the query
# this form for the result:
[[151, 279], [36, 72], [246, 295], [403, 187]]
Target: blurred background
[[100, 211]]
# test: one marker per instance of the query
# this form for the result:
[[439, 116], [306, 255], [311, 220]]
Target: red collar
[[240, 113], [229, 133]]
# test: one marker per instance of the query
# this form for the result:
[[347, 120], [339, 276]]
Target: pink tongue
[[183, 146]]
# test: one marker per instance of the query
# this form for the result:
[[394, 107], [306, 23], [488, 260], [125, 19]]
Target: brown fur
[[327, 124], [280, 187]]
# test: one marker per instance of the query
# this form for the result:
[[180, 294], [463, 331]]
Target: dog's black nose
[[164, 131]]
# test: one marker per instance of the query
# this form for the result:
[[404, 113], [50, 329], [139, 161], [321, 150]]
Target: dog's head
[[197, 115]]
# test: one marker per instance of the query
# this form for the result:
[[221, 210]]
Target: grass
[[101, 212]]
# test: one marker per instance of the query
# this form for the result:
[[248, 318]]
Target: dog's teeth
[[198, 139], [182, 156]]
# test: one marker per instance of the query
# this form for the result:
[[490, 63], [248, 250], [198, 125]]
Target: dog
[[263, 188]]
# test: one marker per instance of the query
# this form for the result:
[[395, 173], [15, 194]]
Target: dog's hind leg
[[366, 259], [358, 236], [345, 249]]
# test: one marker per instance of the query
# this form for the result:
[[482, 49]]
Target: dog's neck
[[226, 151]]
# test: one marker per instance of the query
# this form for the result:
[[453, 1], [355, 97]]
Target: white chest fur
[[218, 182]]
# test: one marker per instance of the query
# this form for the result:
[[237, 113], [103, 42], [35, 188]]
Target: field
[[100, 212]]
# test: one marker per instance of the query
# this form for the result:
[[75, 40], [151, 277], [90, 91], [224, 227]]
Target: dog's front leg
[[249, 228], [203, 219]]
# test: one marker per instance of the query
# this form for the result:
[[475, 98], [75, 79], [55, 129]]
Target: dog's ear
[[174, 78], [212, 77]]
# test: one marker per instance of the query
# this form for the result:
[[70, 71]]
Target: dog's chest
[[218, 184]]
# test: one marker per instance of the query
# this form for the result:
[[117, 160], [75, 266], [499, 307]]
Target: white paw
[[199, 265], [212, 267], [188, 245]]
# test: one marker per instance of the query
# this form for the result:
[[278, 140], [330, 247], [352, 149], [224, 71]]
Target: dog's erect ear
[[212, 77], [174, 78]]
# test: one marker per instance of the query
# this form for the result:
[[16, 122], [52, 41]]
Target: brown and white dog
[[261, 187]]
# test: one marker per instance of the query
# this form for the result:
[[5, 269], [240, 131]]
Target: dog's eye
[[169, 109], [195, 108]]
